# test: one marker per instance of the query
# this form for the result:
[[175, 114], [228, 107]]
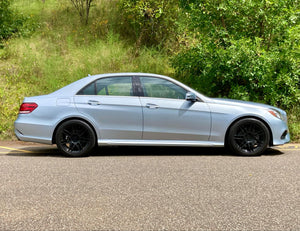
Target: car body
[[146, 109]]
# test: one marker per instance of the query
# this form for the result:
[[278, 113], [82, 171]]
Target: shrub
[[153, 22], [6, 20], [242, 71], [244, 49], [13, 23]]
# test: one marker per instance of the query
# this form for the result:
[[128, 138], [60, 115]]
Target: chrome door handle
[[93, 102], [152, 106]]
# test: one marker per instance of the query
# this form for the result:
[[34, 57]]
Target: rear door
[[113, 106]]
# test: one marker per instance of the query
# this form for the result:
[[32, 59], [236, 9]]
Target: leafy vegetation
[[240, 49], [152, 22], [244, 49], [63, 50], [12, 23], [6, 20]]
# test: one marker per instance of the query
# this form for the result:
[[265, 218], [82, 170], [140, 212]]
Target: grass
[[61, 50]]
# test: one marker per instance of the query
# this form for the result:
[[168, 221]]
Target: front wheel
[[248, 137], [75, 138]]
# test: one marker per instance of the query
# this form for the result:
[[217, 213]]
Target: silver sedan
[[146, 109]]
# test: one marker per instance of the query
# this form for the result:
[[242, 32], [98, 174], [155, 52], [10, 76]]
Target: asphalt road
[[134, 188]]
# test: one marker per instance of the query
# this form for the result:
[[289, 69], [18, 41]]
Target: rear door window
[[115, 86]]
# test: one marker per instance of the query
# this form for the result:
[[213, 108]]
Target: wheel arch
[[74, 118], [249, 117]]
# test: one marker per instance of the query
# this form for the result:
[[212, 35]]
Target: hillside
[[53, 48], [62, 50]]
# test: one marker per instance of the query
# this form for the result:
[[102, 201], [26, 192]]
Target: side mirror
[[190, 96]]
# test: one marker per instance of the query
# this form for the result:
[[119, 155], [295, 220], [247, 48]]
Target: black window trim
[[137, 86]]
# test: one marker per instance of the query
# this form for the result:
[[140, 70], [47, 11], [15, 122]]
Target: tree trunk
[[88, 5]]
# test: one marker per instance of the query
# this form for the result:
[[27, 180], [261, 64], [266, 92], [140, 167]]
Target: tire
[[248, 137], [75, 138]]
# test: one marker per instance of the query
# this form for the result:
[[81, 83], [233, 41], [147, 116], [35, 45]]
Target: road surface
[[136, 188]]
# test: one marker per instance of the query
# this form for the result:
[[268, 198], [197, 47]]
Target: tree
[[83, 8]]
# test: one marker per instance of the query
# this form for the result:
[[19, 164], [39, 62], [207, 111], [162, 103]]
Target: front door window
[[161, 88]]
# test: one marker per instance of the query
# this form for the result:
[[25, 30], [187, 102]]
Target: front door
[[168, 116]]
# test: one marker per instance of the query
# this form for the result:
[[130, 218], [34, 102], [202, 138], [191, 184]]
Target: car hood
[[242, 103]]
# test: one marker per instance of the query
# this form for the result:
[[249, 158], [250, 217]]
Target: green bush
[[242, 71], [244, 49], [13, 23], [6, 20], [153, 22], [222, 20]]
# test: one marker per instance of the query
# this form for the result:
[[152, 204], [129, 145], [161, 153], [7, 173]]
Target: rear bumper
[[34, 139], [33, 132]]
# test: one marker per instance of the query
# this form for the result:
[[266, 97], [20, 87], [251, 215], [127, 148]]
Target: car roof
[[74, 87]]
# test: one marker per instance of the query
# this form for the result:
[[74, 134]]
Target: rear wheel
[[248, 137], [75, 138]]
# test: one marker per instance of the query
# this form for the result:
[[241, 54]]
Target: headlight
[[275, 114]]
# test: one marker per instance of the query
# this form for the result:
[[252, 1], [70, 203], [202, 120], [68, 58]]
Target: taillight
[[27, 108]]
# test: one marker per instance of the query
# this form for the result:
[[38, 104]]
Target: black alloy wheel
[[248, 137], [75, 138]]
